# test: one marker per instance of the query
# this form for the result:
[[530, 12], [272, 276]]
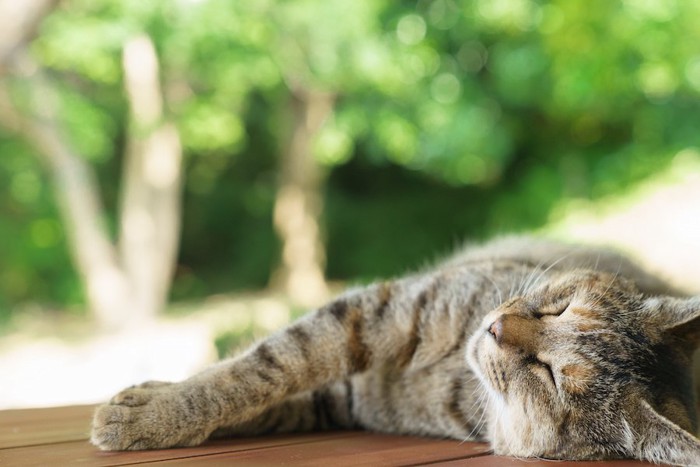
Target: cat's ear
[[656, 439], [673, 313]]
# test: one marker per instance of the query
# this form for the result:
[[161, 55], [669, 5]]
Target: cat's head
[[586, 367]]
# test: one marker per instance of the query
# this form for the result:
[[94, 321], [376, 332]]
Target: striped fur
[[542, 349]]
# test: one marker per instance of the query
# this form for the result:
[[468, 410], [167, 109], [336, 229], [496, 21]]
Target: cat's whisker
[[523, 280], [599, 297], [612, 279], [498, 290], [542, 274], [478, 401], [536, 272], [476, 406], [526, 279], [477, 428]]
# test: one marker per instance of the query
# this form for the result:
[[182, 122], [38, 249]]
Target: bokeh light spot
[[657, 80], [411, 29], [692, 72], [445, 88]]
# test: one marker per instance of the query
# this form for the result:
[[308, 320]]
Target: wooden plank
[[28, 427], [58, 436], [83, 453], [365, 450], [500, 461]]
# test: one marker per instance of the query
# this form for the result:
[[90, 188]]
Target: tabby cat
[[542, 349]]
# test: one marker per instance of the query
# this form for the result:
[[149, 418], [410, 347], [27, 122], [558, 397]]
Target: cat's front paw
[[151, 416]]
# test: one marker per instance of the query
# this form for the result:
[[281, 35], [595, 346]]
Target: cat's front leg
[[234, 393], [346, 337], [322, 409]]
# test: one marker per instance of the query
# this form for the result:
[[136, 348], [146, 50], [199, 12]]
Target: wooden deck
[[58, 436]]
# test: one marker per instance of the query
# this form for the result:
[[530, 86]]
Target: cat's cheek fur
[[512, 434], [521, 425]]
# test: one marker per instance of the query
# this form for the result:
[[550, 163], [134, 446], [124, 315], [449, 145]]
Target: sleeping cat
[[541, 349]]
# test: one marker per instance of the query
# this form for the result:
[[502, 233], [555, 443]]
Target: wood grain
[[44, 426], [58, 436]]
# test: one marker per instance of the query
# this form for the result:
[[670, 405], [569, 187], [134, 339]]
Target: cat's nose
[[496, 330], [515, 331]]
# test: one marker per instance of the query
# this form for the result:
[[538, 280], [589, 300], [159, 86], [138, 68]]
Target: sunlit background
[[179, 177]]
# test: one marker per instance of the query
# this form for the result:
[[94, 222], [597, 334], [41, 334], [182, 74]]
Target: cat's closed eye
[[551, 311], [542, 368]]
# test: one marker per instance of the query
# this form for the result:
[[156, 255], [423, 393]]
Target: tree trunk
[[298, 204], [19, 21], [152, 181]]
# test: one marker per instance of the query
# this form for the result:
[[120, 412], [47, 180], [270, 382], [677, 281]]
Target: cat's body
[[540, 348]]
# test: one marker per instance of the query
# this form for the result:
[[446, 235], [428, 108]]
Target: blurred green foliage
[[453, 120]]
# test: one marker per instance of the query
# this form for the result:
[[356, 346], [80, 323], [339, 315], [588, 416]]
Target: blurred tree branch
[[19, 22]]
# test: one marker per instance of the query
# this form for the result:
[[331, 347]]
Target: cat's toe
[[110, 414], [132, 397], [154, 384], [139, 394], [111, 430]]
